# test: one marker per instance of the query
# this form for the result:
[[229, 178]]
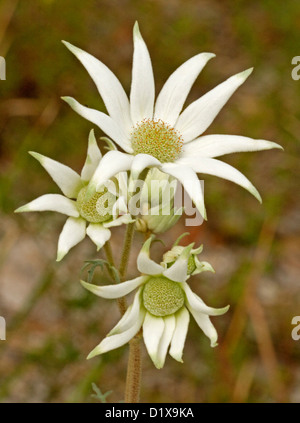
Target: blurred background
[[52, 323]]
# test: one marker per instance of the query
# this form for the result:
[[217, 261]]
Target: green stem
[[134, 368], [134, 371], [108, 251], [126, 249]]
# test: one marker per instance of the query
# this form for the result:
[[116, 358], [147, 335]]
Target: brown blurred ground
[[255, 250]]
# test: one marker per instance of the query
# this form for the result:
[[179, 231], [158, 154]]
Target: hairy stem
[[126, 249], [134, 371], [108, 251], [133, 379]]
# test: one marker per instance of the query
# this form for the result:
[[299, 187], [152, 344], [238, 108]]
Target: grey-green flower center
[[162, 297], [98, 208], [158, 139]]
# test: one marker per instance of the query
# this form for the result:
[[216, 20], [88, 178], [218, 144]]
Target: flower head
[[161, 306], [158, 134], [93, 216]]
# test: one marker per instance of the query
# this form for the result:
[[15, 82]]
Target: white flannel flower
[[158, 134], [92, 217], [161, 307]]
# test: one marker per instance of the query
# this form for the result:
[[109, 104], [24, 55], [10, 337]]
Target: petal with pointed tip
[[203, 321], [197, 304], [153, 328], [130, 316], [115, 291], [115, 341], [93, 158], [180, 332], [108, 85], [145, 264], [222, 170], [103, 121], [72, 233], [218, 145], [165, 341], [66, 178], [142, 86], [98, 234], [51, 202], [197, 117], [175, 91]]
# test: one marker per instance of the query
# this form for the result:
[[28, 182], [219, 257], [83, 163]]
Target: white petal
[[222, 170], [198, 304], [145, 264], [93, 158], [130, 316], [205, 324], [66, 178], [103, 121], [189, 180], [98, 234], [115, 341], [72, 233], [117, 290], [122, 220], [218, 145], [180, 332], [140, 162], [153, 329], [197, 117], [142, 86], [51, 202], [178, 271], [108, 85], [165, 341], [112, 163], [175, 91]]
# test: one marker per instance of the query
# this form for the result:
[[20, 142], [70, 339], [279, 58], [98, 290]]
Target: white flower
[[158, 133], [93, 217], [161, 307]]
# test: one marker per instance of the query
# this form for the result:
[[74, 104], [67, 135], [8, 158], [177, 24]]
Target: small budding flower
[[158, 213], [194, 265], [93, 216], [161, 306]]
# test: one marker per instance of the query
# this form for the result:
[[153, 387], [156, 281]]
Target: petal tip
[[136, 30], [60, 255], [20, 209], [244, 75]]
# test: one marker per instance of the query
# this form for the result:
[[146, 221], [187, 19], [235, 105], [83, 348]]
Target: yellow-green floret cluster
[[158, 139], [162, 297], [98, 208]]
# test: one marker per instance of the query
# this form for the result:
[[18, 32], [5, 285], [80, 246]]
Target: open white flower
[[161, 307], [91, 217], [157, 133]]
